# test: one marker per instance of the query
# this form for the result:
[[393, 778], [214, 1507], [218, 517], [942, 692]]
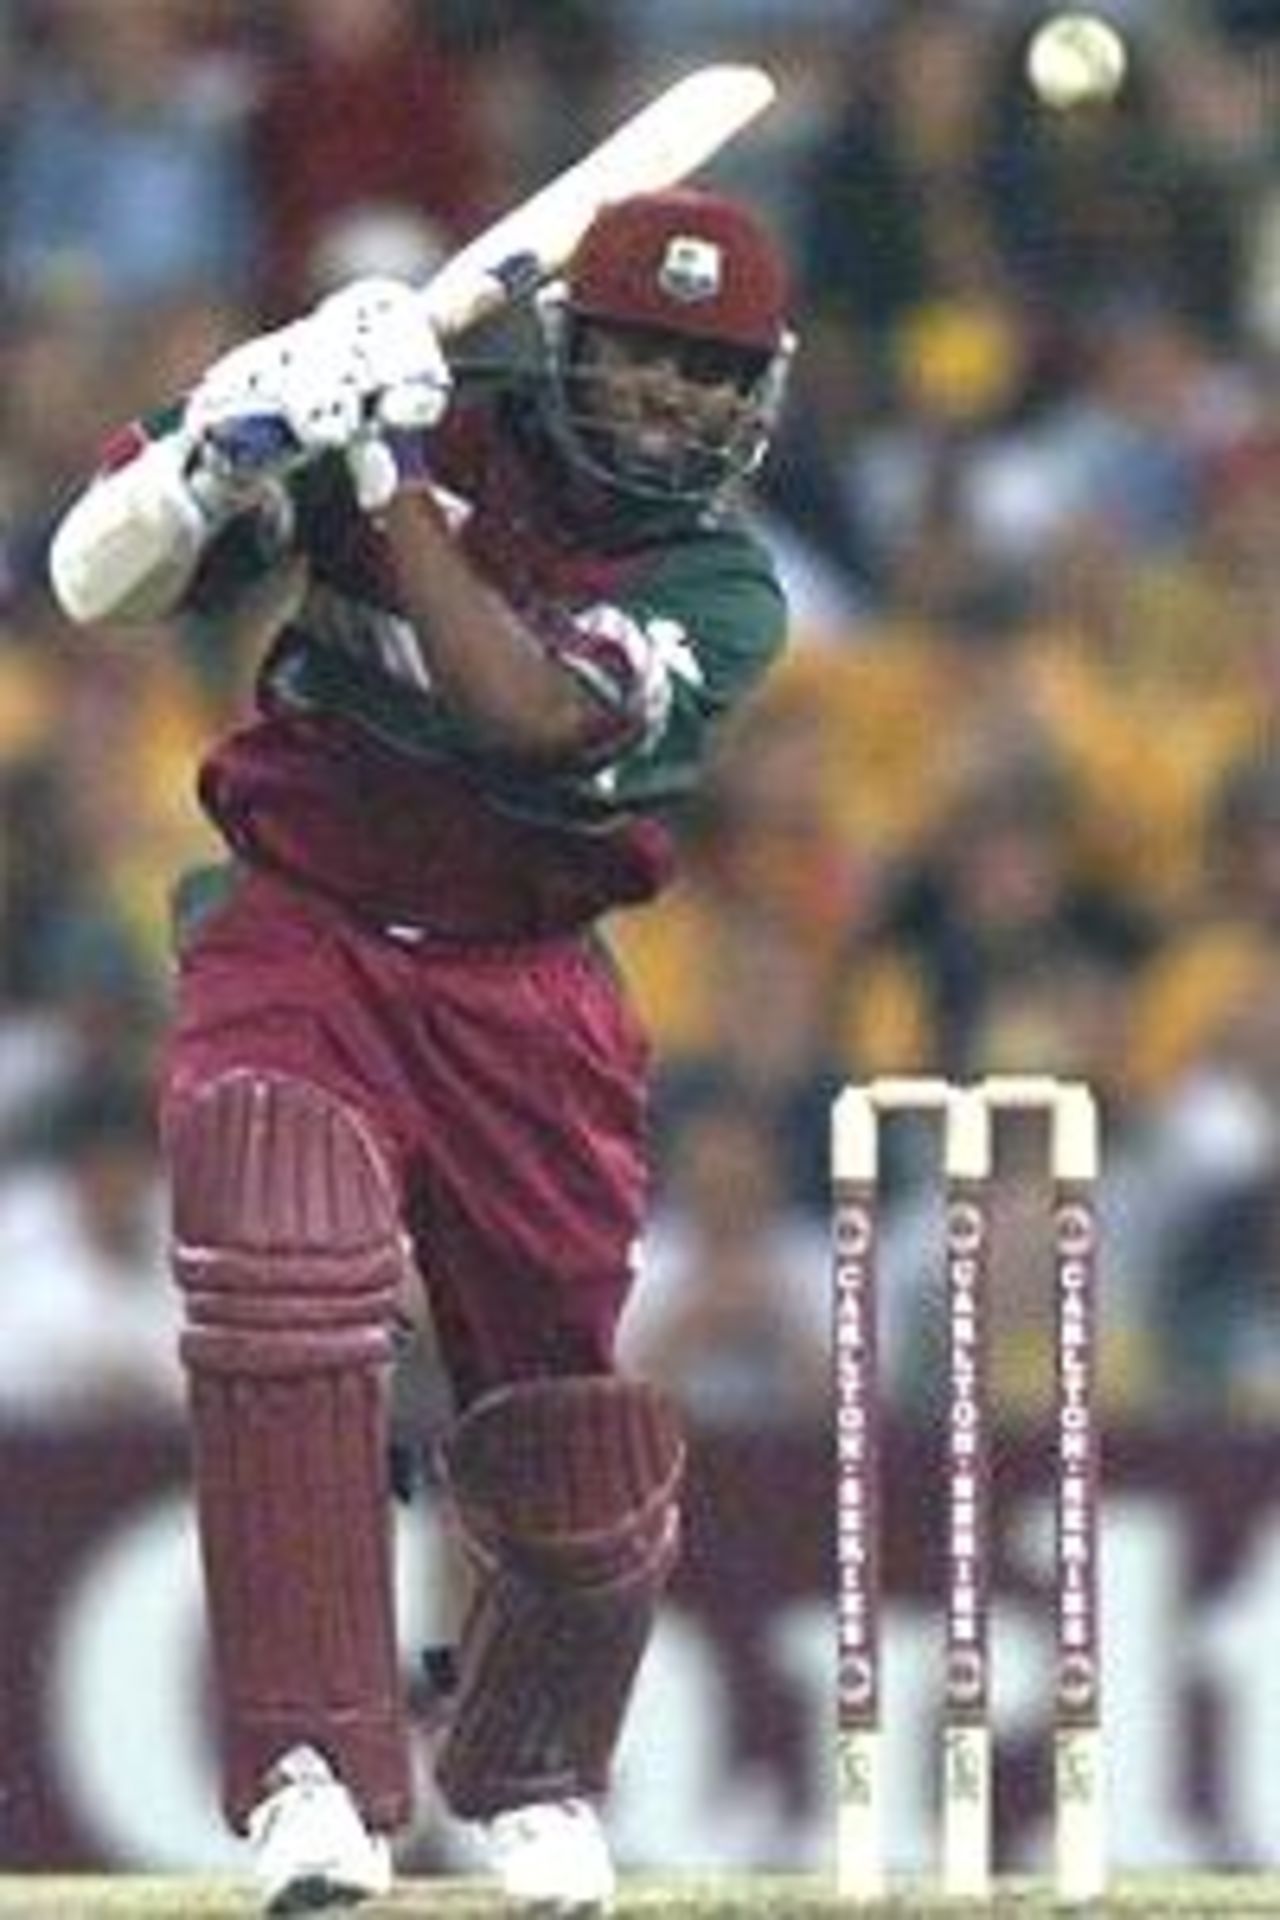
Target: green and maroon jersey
[[354, 778]]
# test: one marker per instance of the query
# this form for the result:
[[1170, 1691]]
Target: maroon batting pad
[[567, 1496], [288, 1251]]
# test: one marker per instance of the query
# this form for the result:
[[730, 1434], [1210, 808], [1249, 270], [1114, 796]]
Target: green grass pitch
[[1181, 1896]]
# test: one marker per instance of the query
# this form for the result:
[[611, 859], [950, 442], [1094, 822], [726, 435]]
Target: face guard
[[667, 348]]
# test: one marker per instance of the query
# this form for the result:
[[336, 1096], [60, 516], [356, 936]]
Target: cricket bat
[[660, 145], [104, 552]]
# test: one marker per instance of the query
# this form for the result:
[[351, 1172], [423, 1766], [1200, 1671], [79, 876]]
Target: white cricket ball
[[1074, 58]]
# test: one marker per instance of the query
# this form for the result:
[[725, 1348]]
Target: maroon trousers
[[333, 1086], [504, 1085]]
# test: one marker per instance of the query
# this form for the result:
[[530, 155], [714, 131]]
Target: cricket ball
[[1076, 58]]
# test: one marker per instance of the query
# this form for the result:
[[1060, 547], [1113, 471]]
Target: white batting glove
[[360, 373], [405, 377], [266, 407]]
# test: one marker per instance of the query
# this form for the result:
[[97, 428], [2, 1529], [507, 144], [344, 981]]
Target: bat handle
[[461, 295]]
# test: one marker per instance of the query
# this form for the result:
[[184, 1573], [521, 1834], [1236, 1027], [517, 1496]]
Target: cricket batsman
[[400, 1058]]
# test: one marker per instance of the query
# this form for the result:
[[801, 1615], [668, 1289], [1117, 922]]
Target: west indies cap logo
[[692, 268]]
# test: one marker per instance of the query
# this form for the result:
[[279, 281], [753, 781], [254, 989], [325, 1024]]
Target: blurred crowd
[[1012, 804]]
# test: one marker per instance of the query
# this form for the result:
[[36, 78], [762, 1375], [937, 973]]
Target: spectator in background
[[861, 242], [127, 172], [994, 446], [995, 900], [53, 363], [765, 1047], [1203, 619], [944, 672], [918, 479], [1202, 1068], [733, 978], [1164, 669], [1222, 1306], [1243, 879], [892, 218], [829, 403], [1151, 402], [1224, 951], [1107, 200], [131, 713], [1213, 1180], [968, 244], [88, 1013], [732, 1313], [913, 354], [88, 1325], [363, 110]]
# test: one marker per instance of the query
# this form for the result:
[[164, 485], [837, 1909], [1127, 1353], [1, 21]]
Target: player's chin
[[667, 460], [658, 451], [647, 458]]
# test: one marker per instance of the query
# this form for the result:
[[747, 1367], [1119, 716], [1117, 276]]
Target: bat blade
[[660, 145]]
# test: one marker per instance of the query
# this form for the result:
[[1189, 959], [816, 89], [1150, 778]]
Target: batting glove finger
[[375, 472], [384, 324]]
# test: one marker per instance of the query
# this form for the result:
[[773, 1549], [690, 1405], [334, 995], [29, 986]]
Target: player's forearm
[[485, 664]]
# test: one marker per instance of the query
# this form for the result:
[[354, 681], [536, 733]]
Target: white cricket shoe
[[311, 1847], [552, 1858]]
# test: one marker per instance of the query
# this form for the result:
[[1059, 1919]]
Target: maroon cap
[[689, 261]]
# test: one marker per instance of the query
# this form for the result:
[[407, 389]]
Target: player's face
[[661, 403]]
